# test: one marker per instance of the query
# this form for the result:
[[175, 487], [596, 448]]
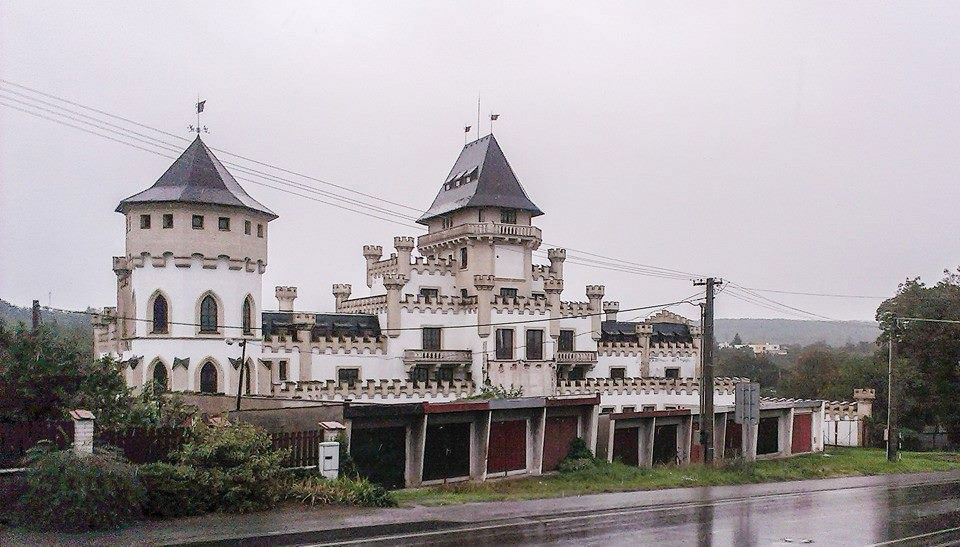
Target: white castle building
[[470, 308]]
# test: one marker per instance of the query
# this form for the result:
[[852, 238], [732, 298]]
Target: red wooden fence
[[17, 438], [144, 444], [304, 447]]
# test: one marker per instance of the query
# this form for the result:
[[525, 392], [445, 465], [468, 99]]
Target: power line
[[828, 295]]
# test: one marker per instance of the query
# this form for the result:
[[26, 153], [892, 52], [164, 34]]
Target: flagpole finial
[[199, 106]]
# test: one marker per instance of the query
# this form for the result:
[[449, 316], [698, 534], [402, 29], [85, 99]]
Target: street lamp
[[243, 358]]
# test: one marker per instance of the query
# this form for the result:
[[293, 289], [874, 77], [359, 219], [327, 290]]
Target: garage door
[[733, 440], [696, 449], [560, 431], [446, 452], [802, 433], [768, 435], [626, 445], [665, 444], [380, 454], [508, 446]]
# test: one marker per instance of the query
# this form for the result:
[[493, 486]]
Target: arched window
[[160, 376], [160, 315], [246, 378], [208, 378], [208, 314], [247, 320]]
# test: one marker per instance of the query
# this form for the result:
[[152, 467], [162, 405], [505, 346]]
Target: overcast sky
[[799, 146]]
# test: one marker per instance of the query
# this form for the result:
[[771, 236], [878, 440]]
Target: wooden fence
[[304, 447], [144, 444], [17, 438]]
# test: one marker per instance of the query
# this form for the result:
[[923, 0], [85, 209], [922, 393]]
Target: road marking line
[[918, 536]]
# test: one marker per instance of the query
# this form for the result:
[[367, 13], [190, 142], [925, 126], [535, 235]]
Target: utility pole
[[36, 316], [892, 436], [706, 372], [243, 365]]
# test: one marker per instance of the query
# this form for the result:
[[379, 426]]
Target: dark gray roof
[[333, 325], [481, 177], [197, 176], [625, 331]]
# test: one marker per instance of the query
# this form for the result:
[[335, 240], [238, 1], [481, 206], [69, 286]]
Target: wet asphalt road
[[923, 514]]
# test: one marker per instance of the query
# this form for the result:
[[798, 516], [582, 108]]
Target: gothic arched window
[[208, 378], [247, 320], [208, 314], [160, 376], [160, 315]]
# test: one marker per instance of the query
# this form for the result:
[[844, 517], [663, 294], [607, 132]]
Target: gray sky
[[800, 146]]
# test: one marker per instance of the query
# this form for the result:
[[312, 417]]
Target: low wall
[[214, 404], [303, 418]]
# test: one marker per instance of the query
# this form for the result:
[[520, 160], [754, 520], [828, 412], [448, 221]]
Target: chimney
[[611, 309], [285, 298]]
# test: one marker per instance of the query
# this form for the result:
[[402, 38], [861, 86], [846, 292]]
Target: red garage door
[[802, 433], [733, 440], [696, 449], [560, 431], [508, 446], [626, 445]]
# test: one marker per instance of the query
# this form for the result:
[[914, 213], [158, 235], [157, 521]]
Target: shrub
[[569, 465], [579, 450], [316, 490], [69, 492], [236, 464], [173, 491]]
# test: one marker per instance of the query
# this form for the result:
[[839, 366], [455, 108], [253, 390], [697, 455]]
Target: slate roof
[[197, 176], [625, 331], [328, 324], [481, 177]]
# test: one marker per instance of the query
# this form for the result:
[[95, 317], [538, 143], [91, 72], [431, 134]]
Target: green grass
[[616, 477]]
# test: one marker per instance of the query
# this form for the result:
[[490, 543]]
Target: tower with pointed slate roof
[[190, 279]]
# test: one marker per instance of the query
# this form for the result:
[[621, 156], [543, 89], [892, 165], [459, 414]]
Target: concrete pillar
[[696, 331], [83, 422], [595, 295], [610, 310], [341, 292], [644, 332], [785, 432], [684, 438], [479, 445], [556, 257], [416, 444], [719, 435], [591, 419], [553, 286], [748, 433], [372, 254], [484, 286], [404, 246], [645, 444], [285, 298], [538, 426], [393, 283]]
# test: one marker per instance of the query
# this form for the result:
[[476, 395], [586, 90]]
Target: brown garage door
[[626, 445], [802, 433], [733, 440], [560, 431], [508, 446]]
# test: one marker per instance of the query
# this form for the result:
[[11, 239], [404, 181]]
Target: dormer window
[[508, 216], [447, 222]]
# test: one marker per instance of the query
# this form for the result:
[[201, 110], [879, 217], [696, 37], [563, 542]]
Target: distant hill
[[64, 322], [797, 331]]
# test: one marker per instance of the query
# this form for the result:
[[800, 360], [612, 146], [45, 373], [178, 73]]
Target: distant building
[[757, 349]]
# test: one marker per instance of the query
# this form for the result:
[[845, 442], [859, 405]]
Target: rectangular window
[[420, 374], [628, 409], [259, 230], [565, 342], [606, 410], [508, 294], [446, 222], [431, 338], [282, 370], [672, 373], [144, 222], [505, 344], [197, 222], [539, 296], [445, 374], [618, 373], [464, 293], [649, 408], [168, 220], [577, 373], [463, 258], [246, 227], [348, 376], [534, 345], [508, 216], [430, 295], [224, 224]]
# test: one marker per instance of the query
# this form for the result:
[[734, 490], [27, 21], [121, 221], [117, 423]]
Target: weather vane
[[199, 128]]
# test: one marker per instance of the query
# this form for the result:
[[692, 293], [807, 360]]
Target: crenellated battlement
[[484, 282], [540, 271], [379, 390], [595, 291], [520, 304], [367, 304], [442, 303], [346, 345], [575, 309], [647, 386], [122, 263], [372, 251], [667, 316]]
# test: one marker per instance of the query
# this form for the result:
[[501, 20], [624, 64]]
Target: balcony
[[481, 230], [577, 357], [438, 356]]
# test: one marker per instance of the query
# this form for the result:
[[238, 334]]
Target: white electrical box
[[330, 459]]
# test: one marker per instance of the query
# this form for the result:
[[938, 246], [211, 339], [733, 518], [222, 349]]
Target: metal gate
[[380, 454], [665, 444], [508, 446], [559, 433], [802, 433], [446, 452]]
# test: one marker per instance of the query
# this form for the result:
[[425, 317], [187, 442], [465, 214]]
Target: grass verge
[[616, 477]]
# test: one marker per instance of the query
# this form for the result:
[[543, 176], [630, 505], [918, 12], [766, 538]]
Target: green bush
[[569, 465], [68, 492], [236, 465], [173, 491], [579, 450], [316, 490]]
